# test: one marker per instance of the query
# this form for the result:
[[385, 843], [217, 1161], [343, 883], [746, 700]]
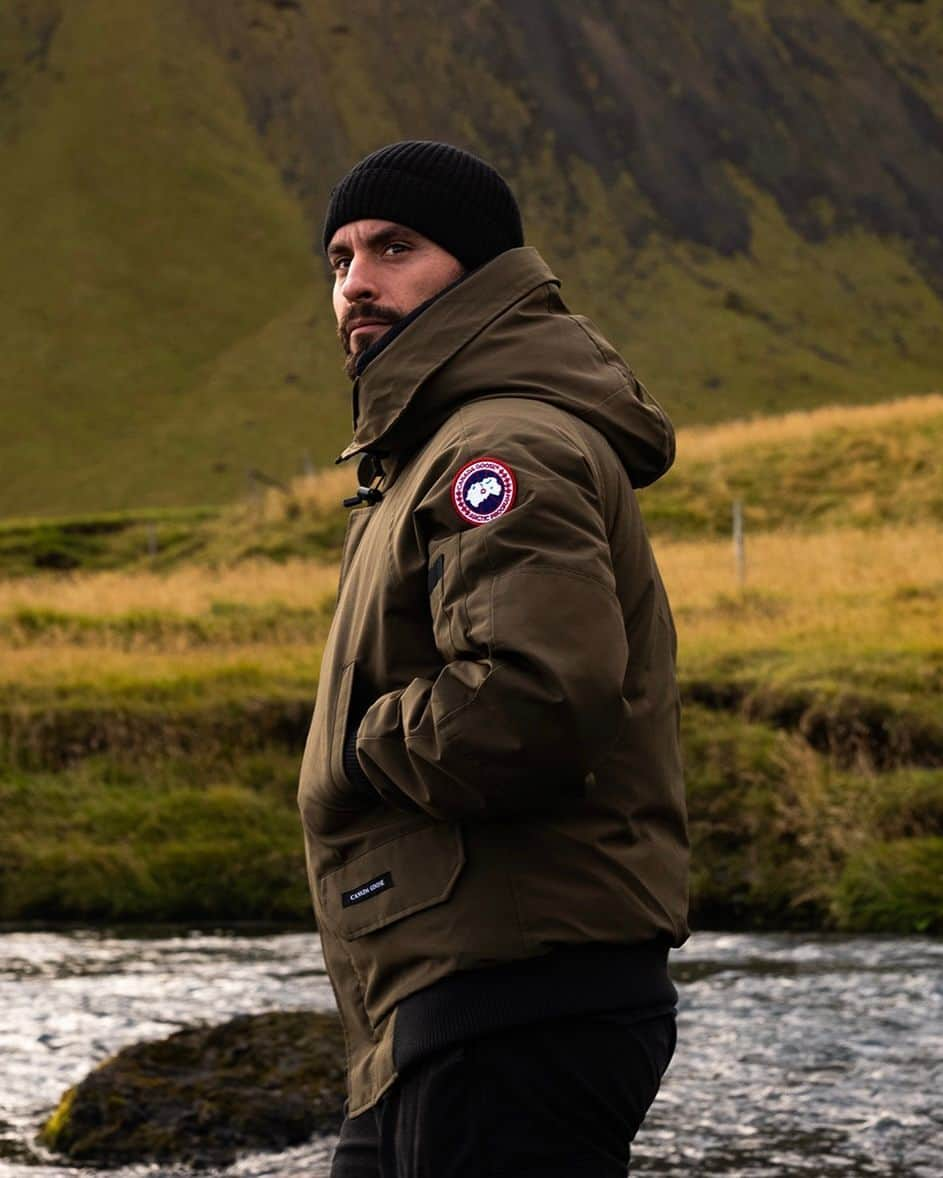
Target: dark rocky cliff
[[833, 109]]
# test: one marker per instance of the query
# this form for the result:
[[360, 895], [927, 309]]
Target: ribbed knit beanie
[[446, 194]]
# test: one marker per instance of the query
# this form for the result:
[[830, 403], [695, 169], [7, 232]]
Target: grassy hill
[[154, 704], [864, 467], [742, 194]]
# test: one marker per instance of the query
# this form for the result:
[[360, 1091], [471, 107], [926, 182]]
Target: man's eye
[[397, 247], [339, 263]]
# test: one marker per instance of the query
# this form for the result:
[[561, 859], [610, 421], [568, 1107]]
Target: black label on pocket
[[368, 890]]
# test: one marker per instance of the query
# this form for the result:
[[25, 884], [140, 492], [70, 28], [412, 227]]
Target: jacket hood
[[506, 332]]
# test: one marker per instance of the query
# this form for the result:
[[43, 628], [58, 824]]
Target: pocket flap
[[413, 871]]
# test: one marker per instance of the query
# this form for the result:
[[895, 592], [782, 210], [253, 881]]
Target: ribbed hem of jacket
[[591, 979]]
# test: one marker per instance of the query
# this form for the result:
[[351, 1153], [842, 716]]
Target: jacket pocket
[[345, 694], [406, 875], [326, 797]]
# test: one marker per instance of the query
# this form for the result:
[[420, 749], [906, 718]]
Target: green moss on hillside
[[789, 325], [751, 219], [148, 245]]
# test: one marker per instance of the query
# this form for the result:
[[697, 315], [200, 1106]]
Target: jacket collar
[[389, 384]]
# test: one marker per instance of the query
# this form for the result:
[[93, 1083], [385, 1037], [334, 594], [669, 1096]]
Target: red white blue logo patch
[[483, 490]]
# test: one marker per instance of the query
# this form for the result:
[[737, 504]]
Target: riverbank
[[151, 729], [782, 837]]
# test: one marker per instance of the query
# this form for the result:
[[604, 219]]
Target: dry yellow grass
[[704, 443], [111, 661], [843, 560], [48, 669], [841, 591], [844, 589], [315, 495], [186, 592]]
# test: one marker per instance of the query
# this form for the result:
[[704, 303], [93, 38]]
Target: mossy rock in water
[[205, 1094]]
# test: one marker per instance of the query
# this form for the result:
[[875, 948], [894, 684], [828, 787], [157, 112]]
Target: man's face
[[382, 271]]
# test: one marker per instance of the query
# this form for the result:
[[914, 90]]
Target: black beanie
[[446, 194]]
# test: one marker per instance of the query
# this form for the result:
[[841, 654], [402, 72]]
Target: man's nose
[[360, 283]]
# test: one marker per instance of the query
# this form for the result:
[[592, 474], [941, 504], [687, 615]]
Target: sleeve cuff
[[353, 770]]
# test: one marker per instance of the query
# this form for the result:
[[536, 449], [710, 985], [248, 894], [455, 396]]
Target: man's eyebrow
[[391, 233], [374, 240]]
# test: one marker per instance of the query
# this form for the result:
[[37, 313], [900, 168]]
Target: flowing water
[[797, 1055]]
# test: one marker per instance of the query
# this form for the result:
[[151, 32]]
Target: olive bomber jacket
[[513, 679]]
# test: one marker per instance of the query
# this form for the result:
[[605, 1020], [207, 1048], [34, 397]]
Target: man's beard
[[357, 315]]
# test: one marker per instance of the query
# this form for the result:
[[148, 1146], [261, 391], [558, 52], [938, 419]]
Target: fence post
[[739, 548], [255, 491]]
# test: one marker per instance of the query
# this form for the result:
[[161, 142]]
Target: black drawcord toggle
[[370, 474], [369, 495]]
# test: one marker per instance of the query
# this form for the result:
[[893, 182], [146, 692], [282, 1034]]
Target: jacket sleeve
[[532, 640]]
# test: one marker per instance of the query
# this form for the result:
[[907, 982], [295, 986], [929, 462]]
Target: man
[[491, 788]]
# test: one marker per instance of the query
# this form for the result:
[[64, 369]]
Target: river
[[797, 1055]]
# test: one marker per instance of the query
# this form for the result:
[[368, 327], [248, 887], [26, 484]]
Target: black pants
[[560, 1099]]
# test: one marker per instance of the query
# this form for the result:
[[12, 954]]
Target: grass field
[[147, 707], [152, 719], [834, 593]]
